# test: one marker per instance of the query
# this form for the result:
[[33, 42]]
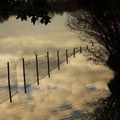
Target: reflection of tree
[[105, 109], [97, 54]]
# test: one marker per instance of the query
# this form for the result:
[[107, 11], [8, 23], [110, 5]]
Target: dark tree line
[[101, 20], [36, 10]]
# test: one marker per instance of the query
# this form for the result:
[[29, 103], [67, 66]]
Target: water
[[65, 95]]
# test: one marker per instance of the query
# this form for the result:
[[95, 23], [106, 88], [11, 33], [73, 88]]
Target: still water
[[65, 95], [22, 38]]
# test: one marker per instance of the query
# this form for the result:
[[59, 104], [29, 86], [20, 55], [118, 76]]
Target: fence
[[31, 71]]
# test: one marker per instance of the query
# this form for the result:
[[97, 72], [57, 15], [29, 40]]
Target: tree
[[36, 10], [101, 20]]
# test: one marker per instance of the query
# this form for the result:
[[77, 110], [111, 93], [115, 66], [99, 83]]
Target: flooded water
[[22, 38], [65, 95]]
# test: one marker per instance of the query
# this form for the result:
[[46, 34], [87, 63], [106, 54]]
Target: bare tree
[[101, 20]]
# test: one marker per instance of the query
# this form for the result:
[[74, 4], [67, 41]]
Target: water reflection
[[64, 96], [107, 109], [36, 10], [99, 20]]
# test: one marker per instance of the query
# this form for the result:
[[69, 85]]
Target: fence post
[[74, 52], [9, 86], [58, 60], [92, 44], [37, 69], [48, 64], [86, 47], [24, 77], [80, 49], [67, 56]]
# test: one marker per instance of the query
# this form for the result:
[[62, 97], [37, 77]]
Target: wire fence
[[31, 71]]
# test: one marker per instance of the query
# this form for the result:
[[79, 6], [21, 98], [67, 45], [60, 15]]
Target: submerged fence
[[30, 71]]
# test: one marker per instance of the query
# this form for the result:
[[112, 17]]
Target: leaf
[[33, 20]]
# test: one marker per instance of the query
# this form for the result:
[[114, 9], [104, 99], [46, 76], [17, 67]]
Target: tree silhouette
[[101, 20], [36, 10]]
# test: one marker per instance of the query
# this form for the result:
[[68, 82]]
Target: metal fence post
[[37, 69], [48, 64], [67, 56], [58, 60], [24, 77], [86, 47], [92, 44], [74, 52], [9, 86], [80, 49]]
